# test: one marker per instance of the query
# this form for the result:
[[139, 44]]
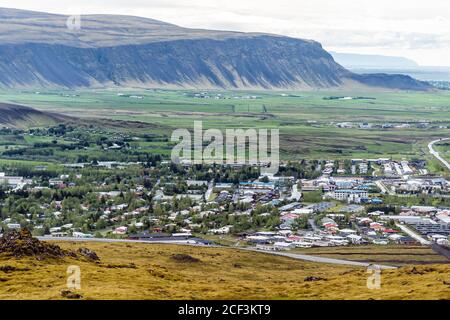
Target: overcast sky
[[415, 29]]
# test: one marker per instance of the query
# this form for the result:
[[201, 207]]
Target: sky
[[415, 29]]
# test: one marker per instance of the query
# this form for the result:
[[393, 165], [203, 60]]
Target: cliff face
[[264, 62], [37, 50]]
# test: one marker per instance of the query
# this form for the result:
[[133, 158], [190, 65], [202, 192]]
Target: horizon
[[420, 36]]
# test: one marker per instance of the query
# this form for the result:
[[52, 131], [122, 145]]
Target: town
[[311, 203]]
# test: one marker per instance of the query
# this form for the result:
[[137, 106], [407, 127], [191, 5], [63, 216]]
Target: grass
[[397, 255], [220, 274], [444, 150], [304, 118]]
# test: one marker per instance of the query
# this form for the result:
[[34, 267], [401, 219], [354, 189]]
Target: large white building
[[349, 195], [11, 181]]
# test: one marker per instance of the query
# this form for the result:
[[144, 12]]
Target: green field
[[307, 120], [444, 150]]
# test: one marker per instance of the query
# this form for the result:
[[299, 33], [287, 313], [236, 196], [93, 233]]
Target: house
[[13, 226], [376, 201], [352, 209], [120, 230], [424, 209], [81, 235], [303, 211], [380, 242], [395, 237], [406, 240], [346, 232], [258, 239], [264, 247], [284, 245], [59, 234], [222, 230], [196, 183], [437, 237], [390, 231], [354, 239], [302, 244], [365, 221], [12, 181], [290, 206], [223, 186], [376, 226], [376, 213]]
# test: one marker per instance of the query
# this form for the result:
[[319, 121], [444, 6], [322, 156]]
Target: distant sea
[[420, 73]]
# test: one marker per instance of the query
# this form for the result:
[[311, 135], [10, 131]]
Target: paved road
[[436, 154], [383, 188], [322, 259], [313, 225], [105, 240], [412, 234], [296, 195], [209, 192], [284, 254]]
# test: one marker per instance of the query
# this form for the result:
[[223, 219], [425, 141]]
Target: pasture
[[307, 120]]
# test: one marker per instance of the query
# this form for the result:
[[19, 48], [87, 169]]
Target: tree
[[300, 223]]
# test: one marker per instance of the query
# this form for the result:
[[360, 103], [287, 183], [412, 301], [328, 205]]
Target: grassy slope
[[397, 255], [221, 274]]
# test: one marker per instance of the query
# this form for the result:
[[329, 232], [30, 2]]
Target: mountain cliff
[[39, 50]]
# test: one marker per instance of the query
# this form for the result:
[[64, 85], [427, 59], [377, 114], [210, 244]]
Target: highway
[[436, 154], [295, 256]]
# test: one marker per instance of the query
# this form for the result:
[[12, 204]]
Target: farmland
[[308, 121]]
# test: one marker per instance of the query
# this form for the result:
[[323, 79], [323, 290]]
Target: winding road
[[295, 256], [436, 154], [413, 235]]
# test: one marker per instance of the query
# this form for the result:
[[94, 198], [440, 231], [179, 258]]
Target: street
[[186, 242], [436, 154]]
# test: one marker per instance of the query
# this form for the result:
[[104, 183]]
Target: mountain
[[18, 116], [39, 50], [357, 61]]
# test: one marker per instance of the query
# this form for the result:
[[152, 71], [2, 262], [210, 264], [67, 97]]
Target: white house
[[120, 230], [14, 226], [283, 245]]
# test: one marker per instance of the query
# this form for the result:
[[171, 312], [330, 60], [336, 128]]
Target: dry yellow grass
[[220, 274], [395, 255]]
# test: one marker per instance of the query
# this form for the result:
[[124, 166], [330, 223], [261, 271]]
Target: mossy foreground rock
[[21, 244], [184, 258]]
